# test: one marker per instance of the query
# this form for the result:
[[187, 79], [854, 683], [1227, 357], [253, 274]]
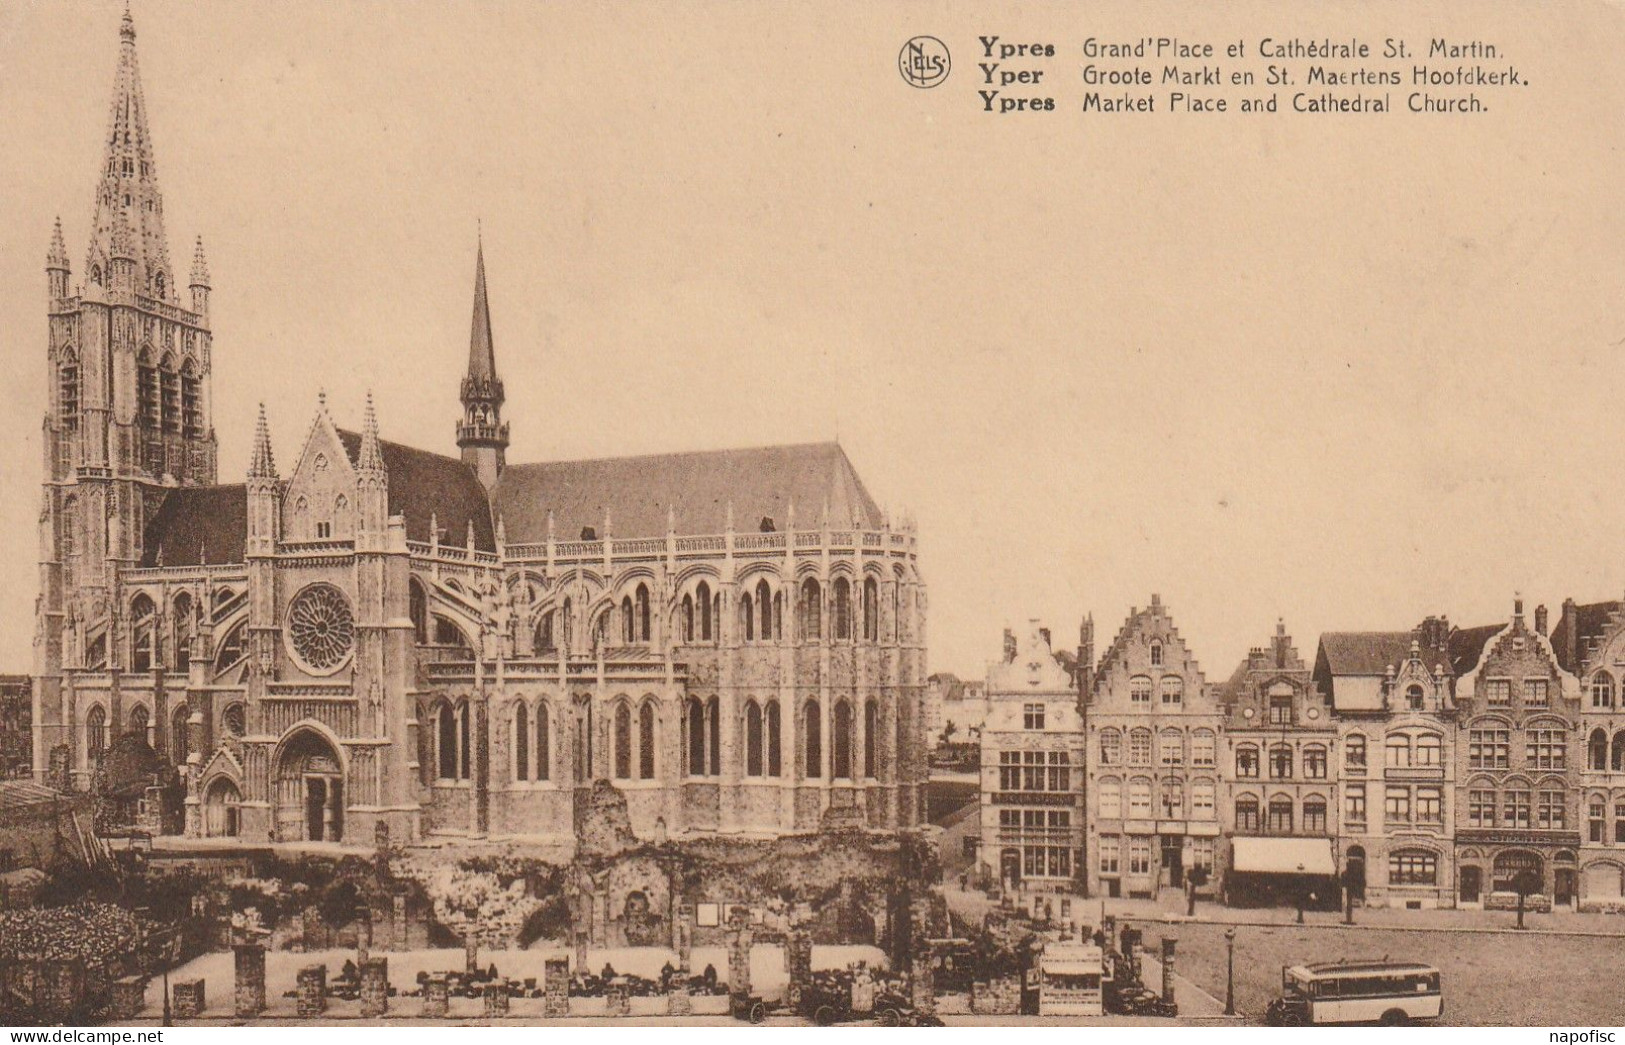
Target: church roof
[[424, 484], [698, 488], [197, 524]]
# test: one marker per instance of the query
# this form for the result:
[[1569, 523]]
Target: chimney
[[1540, 619], [1571, 629], [1009, 646], [1044, 632]]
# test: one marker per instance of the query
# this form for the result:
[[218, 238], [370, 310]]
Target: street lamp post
[[1230, 971], [1303, 887]]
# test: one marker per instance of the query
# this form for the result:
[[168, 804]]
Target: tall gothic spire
[[482, 434], [261, 465], [57, 258], [371, 457], [482, 360], [129, 222]]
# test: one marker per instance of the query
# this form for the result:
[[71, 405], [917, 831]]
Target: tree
[[948, 732], [1527, 883]]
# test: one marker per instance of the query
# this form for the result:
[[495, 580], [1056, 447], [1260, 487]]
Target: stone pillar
[[128, 998], [739, 941], [56, 990], [471, 952], [617, 1000], [189, 999], [1108, 929], [682, 931], [436, 997], [581, 951], [797, 964], [1168, 970], [678, 1003], [496, 1000], [374, 987], [556, 987], [922, 981], [397, 922], [312, 983], [250, 986]]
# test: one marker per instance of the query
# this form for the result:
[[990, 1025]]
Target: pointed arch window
[[1616, 761], [746, 607], [628, 627], [812, 610], [143, 634], [1597, 750], [897, 610], [771, 717], [713, 722], [702, 596], [182, 620], [871, 610], [95, 734], [695, 721], [842, 728], [688, 618], [812, 735], [191, 403], [231, 650], [765, 603], [640, 610], [753, 738], [646, 741], [521, 742], [545, 642], [544, 744], [623, 742], [841, 595], [871, 729], [138, 722], [417, 607], [180, 735], [169, 383], [147, 393], [68, 543]]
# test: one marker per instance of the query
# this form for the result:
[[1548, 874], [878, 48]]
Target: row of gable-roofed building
[[1437, 766]]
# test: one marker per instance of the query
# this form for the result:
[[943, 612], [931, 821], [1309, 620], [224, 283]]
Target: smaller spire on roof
[[57, 258], [261, 465], [127, 27], [371, 458], [200, 266]]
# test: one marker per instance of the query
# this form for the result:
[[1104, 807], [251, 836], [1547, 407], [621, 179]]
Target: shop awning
[[1072, 967], [1282, 856]]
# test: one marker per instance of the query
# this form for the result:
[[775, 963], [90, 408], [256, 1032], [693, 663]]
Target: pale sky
[[1343, 370]]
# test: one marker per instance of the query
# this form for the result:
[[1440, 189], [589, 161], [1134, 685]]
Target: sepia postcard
[[713, 513]]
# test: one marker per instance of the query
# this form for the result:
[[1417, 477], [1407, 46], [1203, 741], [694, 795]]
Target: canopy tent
[[1282, 856]]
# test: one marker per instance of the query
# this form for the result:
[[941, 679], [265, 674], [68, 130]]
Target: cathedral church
[[377, 642]]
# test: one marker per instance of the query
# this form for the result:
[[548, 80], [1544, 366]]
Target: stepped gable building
[[1392, 699], [1152, 726], [1589, 641], [1517, 779], [389, 642], [1032, 812], [1278, 795]]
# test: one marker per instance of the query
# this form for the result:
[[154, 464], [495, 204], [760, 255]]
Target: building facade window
[[1354, 803], [1280, 762], [1111, 852], [1429, 751], [1515, 809], [1314, 816], [1247, 762], [1247, 815], [1139, 799], [1546, 749], [1202, 800], [1489, 748], [1280, 816], [1602, 690], [1354, 752], [1171, 748], [1413, 867], [1109, 799], [1536, 692], [1498, 693], [1314, 762], [1111, 747], [1399, 751], [1429, 805], [1550, 811], [1202, 749], [1139, 855], [1396, 805], [1139, 747], [1173, 690], [1481, 807], [1139, 689], [1597, 810], [1032, 716]]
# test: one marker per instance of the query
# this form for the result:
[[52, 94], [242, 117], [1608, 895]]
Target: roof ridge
[[824, 444]]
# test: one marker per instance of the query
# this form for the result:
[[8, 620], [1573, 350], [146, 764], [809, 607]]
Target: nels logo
[[924, 61]]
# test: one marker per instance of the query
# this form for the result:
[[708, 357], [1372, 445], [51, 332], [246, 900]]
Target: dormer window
[[768, 525], [1156, 653], [1414, 697], [588, 533], [324, 530]]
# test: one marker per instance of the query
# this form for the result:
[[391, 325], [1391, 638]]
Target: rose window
[[321, 627]]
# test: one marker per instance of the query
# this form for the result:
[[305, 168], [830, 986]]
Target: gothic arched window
[[418, 610], [95, 734], [772, 726], [764, 600], [623, 742], [544, 744], [646, 741], [143, 633], [702, 595], [813, 740], [842, 728], [688, 618], [640, 610], [753, 739], [841, 594], [812, 609], [696, 737], [713, 721], [521, 742], [871, 610], [871, 728]]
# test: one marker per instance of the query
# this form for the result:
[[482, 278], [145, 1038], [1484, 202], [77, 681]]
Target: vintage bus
[[1357, 992]]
